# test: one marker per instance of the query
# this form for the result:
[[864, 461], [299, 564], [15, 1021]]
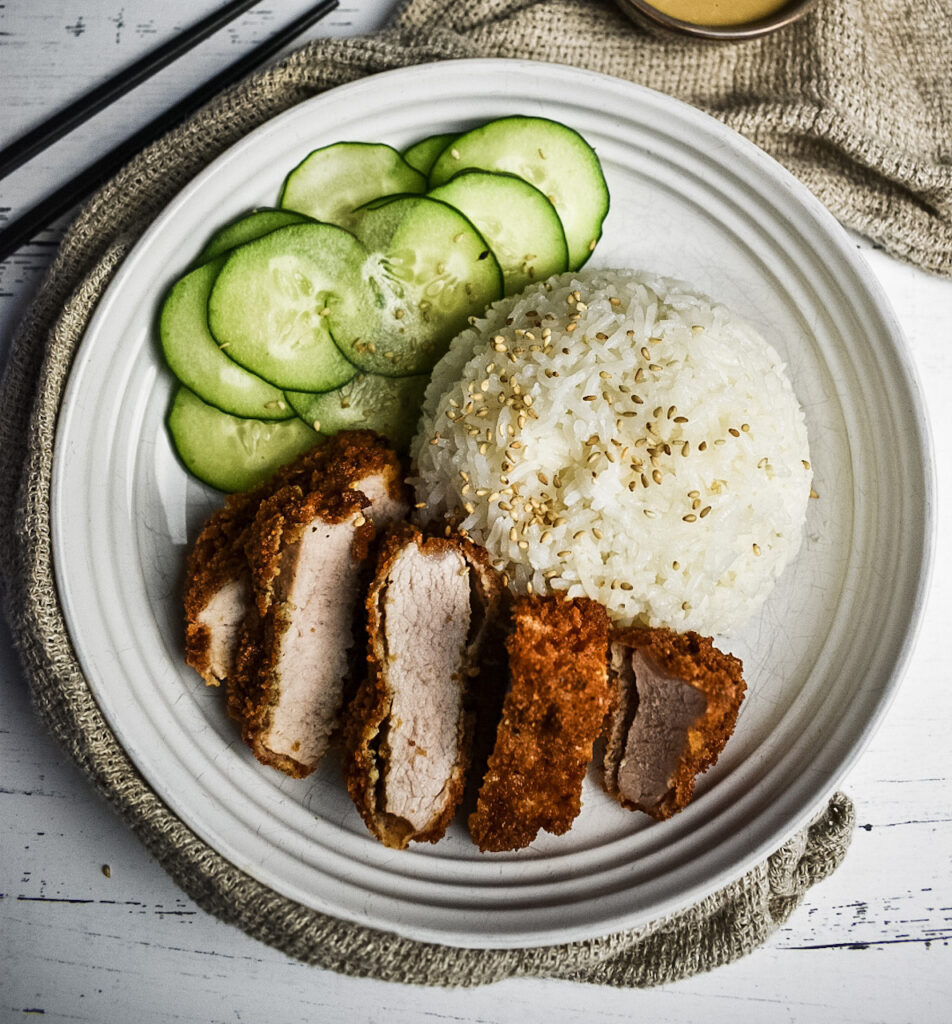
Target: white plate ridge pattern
[[690, 199]]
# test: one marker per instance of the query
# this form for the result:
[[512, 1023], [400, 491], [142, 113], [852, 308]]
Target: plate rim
[[836, 235]]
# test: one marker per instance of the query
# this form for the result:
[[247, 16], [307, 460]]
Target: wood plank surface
[[91, 929]]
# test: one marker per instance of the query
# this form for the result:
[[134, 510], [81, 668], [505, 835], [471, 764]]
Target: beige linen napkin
[[855, 100]]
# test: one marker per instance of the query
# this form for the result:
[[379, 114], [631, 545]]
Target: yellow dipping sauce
[[718, 12]]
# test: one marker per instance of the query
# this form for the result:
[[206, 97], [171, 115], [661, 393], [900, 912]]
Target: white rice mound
[[615, 435]]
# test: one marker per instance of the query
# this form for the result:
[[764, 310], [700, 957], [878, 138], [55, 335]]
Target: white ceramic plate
[[689, 199]]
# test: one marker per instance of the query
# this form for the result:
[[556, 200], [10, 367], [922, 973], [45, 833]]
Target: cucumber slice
[[549, 155], [378, 201], [332, 182], [422, 156], [233, 453], [246, 229], [519, 223], [431, 271], [389, 405], [273, 302], [194, 357]]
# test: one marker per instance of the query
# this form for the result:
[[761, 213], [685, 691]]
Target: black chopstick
[[63, 122], [21, 230]]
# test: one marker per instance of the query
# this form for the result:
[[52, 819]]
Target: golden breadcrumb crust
[[695, 660], [367, 715], [254, 688], [216, 558], [552, 715]]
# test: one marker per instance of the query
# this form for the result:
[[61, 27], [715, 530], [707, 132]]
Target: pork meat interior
[[677, 702], [306, 554], [217, 588], [409, 729]]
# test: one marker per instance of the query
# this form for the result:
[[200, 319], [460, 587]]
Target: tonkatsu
[[557, 702], [431, 606], [677, 699]]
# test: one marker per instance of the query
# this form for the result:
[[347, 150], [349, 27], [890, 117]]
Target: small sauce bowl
[[650, 17]]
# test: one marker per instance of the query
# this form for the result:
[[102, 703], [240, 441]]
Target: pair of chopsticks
[[74, 191]]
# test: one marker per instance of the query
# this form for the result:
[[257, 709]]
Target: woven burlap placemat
[[855, 99]]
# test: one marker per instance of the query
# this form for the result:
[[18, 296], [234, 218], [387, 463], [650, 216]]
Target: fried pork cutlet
[[217, 590], [217, 587], [677, 703], [431, 605], [552, 715], [306, 553]]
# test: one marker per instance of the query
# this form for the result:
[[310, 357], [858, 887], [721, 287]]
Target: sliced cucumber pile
[[422, 155], [195, 358], [329, 313], [246, 229], [554, 158], [432, 269], [389, 405], [274, 300], [233, 453], [518, 222], [332, 182]]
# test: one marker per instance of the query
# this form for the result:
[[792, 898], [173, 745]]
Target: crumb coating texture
[[552, 715]]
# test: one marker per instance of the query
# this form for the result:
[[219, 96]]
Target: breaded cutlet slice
[[217, 588], [554, 711], [408, 732], [306, 553], [677, 702], [216, 575]]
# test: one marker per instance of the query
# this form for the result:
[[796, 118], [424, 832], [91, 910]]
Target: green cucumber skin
[[422, 155], [193, 355], [267, 313], [232, 453], [513, 144], [232, 427], [331, 182], [378, 201], [247, 228], [510, 214], [388, 405]]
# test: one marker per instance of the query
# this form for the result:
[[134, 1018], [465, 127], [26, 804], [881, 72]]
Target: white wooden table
[[873, 943]]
